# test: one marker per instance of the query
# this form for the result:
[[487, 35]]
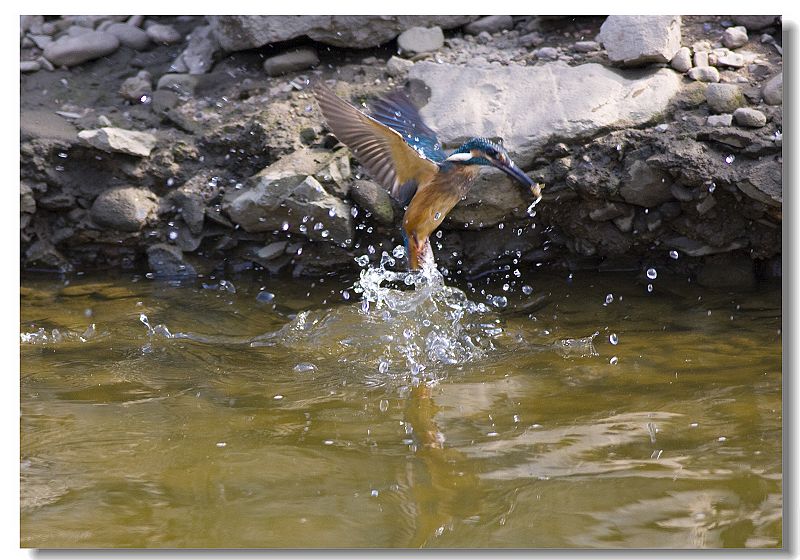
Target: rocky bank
[[184, 145]]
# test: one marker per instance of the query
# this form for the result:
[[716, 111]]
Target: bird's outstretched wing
[[391, 161], [396, 111]]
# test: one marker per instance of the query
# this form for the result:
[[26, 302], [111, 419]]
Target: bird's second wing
[[391, 161], [396, 111]]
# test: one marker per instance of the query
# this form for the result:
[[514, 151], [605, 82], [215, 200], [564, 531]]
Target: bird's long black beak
[[510, 168]]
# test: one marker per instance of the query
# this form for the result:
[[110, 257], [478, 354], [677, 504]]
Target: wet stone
[[292, 61], [586, 46], [168, 261], [184, 84], [646, 186], [272, 250]]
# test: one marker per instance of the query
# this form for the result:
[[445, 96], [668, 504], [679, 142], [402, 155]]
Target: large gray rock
[[420, 40], [119, 140], [290, 192], [639, 40], [527, 106], [492, 199], [71, 51], [299, 202], [236, 33], [124, 208]]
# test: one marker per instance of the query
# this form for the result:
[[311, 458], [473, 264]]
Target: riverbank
[[157, 143]]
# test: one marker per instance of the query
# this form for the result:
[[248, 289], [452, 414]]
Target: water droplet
[[332, 212], [650, 288], [516, 418], [374, 493], [652, 274], [609, 298], [437, 216], [221, 444], [673, 254], [613, 361], [278, 397], [173, 235], [328, 442], [399, 252], [398, 114], [506, 287], [729, 159], [362, 260], [325, 233], [265, 297], [527, 290], [722, 438], [62, 155], [694, 424], [303, 367], [354, 211], [145, 99], [501, 225], [499, 301], [613, 339], [383, 405], [345, 295], [285, 226]]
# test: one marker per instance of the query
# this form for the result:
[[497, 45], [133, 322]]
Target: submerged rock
[[168, 260], [529, 105], [640, 40]]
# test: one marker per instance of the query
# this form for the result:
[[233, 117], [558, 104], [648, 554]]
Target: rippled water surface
[[260, 412]]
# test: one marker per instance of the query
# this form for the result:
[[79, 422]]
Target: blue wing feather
[[396, 111]]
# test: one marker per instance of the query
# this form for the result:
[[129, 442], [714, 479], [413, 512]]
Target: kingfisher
[[404, 155]]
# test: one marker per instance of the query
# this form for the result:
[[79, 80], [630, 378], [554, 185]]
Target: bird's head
[[482, 151]]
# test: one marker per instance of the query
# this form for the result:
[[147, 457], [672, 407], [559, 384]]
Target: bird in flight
[[403, 154]]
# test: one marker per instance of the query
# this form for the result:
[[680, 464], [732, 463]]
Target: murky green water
[[230, 422]]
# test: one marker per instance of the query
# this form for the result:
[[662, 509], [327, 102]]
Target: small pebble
[[704, 74], [26, 66]]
